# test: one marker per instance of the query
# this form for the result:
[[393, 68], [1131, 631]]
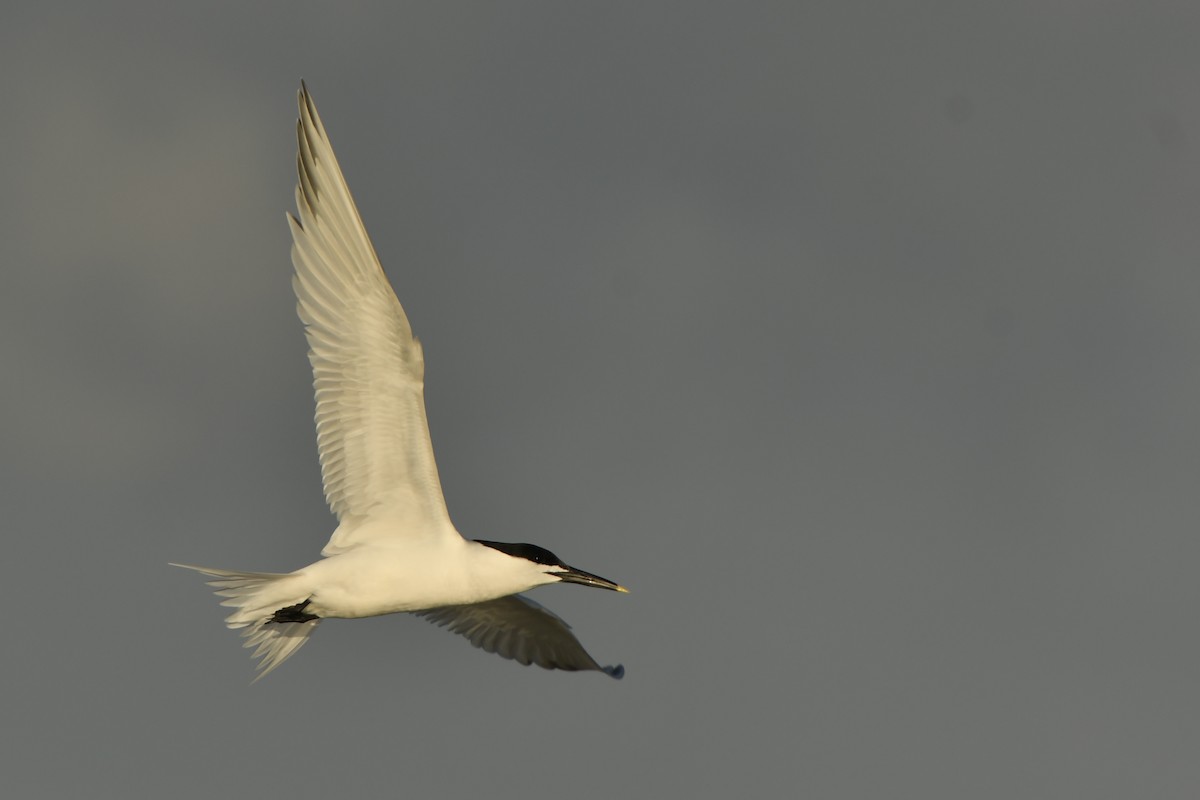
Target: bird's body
[[395, 548], [410, 576]]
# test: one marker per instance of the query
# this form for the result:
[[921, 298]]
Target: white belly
[[410, 576]]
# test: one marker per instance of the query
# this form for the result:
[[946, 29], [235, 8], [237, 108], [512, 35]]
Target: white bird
[[395, 548]]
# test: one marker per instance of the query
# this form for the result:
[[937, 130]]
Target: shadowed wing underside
[[517, 628], [368, 369]]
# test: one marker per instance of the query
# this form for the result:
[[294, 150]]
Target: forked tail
[[268, 608]]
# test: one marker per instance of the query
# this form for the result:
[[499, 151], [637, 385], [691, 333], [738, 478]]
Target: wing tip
[[616, 673], [303, 97]]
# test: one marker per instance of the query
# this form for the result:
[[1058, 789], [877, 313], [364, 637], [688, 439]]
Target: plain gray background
[[861, 340]]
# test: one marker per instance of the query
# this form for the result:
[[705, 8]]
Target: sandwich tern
[[395, 548]]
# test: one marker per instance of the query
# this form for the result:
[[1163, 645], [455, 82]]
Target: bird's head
[[543, 561]]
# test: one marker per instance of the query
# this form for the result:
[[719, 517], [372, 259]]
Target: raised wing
[[517, 628], [368, 369]]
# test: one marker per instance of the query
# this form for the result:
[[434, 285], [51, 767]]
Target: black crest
[[529, 552]]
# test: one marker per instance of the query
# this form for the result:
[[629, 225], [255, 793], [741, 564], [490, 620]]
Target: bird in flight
[[395, 548]]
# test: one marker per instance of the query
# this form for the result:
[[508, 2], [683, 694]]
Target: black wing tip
[[305, 101], [616, 673]]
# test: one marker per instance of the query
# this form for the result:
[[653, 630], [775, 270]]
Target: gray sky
[[861, 341]]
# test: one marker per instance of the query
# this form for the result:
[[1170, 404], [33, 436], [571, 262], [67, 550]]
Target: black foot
[[293, 614]]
